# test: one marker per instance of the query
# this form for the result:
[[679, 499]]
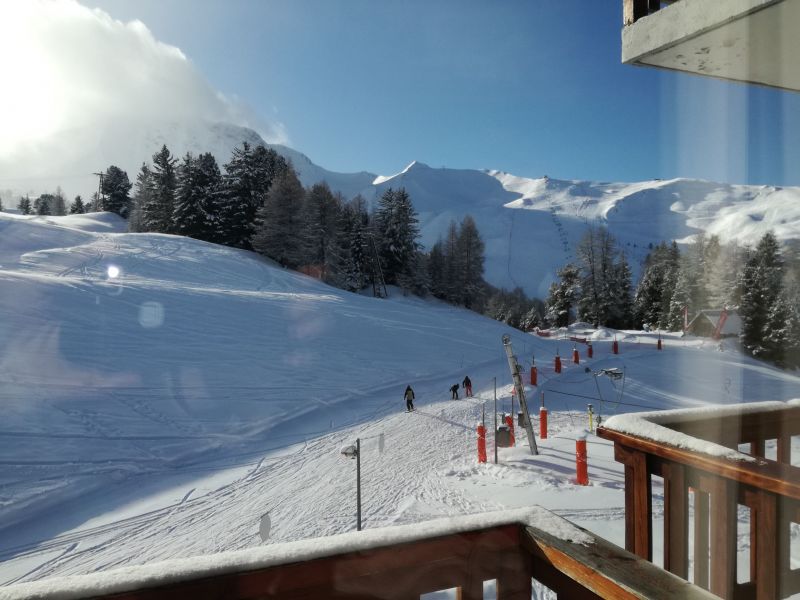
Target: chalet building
[[707, 322]]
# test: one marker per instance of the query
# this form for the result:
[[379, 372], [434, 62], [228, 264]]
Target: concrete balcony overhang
[[753, 41]]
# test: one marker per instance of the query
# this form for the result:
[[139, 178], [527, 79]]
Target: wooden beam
[[781, 479], [606, 570]]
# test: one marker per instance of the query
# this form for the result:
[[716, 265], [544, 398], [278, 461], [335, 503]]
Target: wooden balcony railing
[[718, 479], [513, 548]]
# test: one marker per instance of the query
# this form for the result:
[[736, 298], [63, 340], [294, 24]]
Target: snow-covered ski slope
[[158, 395]]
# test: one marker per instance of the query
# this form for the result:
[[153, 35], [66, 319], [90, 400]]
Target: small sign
[[263, 529]]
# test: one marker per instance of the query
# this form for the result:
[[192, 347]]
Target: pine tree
[[453, 266], [42, 205], [397, 231], [77, 207], [680, 300], [596, 260], [761, 286], [58, 204], [24, 205], [352, 264], [116, 189], [196, 209], [279, 221], [319, 232], [249, 176], [157, 212], [563, 296], [470, 248], [621, 316], [143, 195]]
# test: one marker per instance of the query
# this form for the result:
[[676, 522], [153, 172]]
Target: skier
[[467, 385], [454, 391], [409, 396]]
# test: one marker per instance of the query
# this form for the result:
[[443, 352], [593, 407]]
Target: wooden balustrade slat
[[766, 548], [676, 520], [701, 558], [638, 502], [723, 535]]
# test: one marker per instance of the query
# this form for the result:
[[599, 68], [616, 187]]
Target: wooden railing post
[[723, 536], [514, 579], [638, 502], [676, 520], [785, 449]]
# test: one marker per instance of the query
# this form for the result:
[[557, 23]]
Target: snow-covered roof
[[173, 571], [649, 425]]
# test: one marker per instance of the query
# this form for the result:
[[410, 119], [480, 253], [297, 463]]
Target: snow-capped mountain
[[530, 226]]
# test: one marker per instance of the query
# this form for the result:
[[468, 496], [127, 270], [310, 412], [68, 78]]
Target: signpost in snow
[[515, 375], [264, 527]]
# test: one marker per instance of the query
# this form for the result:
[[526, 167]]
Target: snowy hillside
[[160, 394], [530, 226]]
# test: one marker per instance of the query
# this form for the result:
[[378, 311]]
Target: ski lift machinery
[[513, 365]]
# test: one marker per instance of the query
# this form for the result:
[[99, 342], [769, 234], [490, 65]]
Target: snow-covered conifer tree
[[116, 189], [279, 221], [563, 296], [77, 207], [157, 211]]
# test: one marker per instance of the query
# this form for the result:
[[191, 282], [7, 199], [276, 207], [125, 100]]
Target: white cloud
[[67, 70]]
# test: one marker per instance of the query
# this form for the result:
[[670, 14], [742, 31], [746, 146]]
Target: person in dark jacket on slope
[[409, 396], [467, 385], [454, 391]]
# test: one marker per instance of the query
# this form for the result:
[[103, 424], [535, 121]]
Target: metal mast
[[513, 365]]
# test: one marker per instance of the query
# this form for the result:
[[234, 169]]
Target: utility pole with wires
[[100, 195]]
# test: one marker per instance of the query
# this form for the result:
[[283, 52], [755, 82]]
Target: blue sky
[[529, 87]]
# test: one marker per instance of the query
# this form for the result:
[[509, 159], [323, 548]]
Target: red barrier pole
[[576, 358], [581, 466], [615, 347], [590, 350], [534, 375], [543, 423], [558, 364], [510, 423], [481, 443]]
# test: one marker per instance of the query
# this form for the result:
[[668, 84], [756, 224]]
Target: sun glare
[[29, 104]]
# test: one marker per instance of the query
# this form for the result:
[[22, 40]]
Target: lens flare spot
[[151, 315], [113, 272]]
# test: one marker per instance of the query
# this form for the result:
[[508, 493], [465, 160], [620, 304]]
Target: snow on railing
[[511, 547]]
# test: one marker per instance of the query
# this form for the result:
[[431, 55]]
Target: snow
[[159, 414], [174, 571], [648, 425]]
